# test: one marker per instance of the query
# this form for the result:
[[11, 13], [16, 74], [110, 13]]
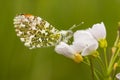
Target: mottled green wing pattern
[[35, 32]]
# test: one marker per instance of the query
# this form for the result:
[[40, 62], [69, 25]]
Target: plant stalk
[[92, 69]]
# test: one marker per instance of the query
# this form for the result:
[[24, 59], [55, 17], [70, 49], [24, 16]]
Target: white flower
[[84, 42], [91, 49], [66, 50], [98, 31], [118, 76]]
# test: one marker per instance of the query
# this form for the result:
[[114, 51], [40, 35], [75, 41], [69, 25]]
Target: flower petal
[[118, 76], [83, 39], [98, 31], [64, 49], [89, 49], [81, 34]]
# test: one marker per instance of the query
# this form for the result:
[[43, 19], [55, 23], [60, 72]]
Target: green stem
[[117, 39], [112, 61], [105, 56], [92, 69], [114, 54], [86, 63], [96, 72], [96, 75], [99, 60]]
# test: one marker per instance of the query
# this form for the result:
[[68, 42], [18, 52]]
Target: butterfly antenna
[[74, 26]]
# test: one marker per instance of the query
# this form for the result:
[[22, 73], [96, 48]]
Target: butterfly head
[[66, 35]]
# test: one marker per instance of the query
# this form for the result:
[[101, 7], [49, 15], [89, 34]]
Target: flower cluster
[[84, 46], [85, 42]]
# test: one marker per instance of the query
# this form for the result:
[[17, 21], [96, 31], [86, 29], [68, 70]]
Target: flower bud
[[78, 58], [103, 43], [115, 66]]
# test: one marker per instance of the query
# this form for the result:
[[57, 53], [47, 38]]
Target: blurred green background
[[19, 63]]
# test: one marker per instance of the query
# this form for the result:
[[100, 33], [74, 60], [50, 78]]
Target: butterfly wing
[[35, 32]]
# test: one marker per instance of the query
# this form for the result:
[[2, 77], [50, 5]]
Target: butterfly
[[36, 32]]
